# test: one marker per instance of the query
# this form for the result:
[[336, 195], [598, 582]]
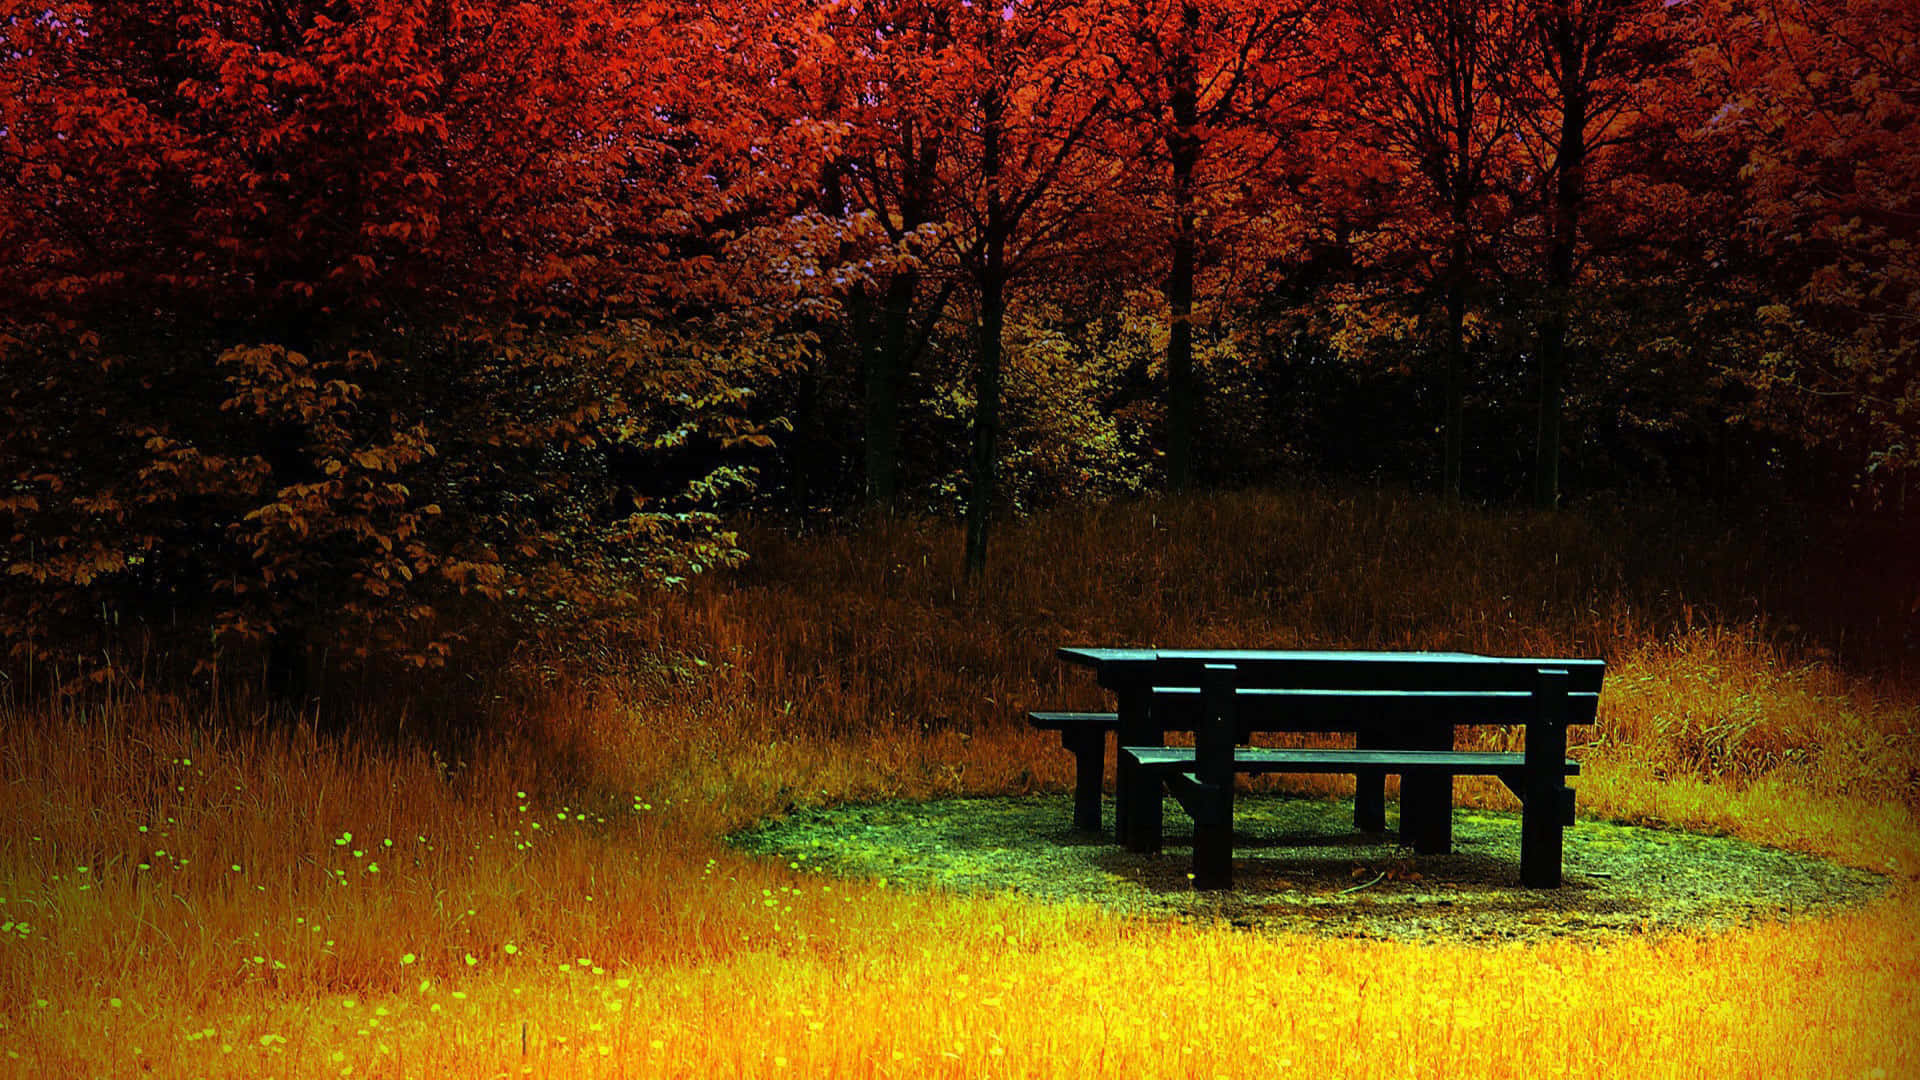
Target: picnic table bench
[[1402, 708]]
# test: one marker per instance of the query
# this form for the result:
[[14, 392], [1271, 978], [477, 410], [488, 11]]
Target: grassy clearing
[[1301, 868], [184, 898]]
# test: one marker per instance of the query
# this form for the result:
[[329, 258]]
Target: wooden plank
[[1059, 721], [1089, 747], [1214, 767], [1426, 795], [1085, 735], [1320, 668], [1544, 807], [1201, 801], [1091, 655], [1382, 671], [1273, 709], [1400, 762], [1370, 786], [1137, 812]]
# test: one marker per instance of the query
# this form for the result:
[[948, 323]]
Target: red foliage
[[316, 317]]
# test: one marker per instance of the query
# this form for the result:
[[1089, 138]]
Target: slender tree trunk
[[1546, 443], [1460, 59], [986, 416], [886, 356], [802, 467], [991, 277], [891, 354], [1456, 377], [1569, 193], [1183, 146], [1183, 389]]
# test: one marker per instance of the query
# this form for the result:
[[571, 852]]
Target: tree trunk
[[1569, 193], [991, 278], [1456, 377], [800, 455], [1183, 152], [886, 355], [891, 353], [1183, 390], [1546, 443]]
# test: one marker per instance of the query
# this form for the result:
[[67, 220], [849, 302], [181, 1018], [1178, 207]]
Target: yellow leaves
[[282, 516], [308, 492], [758, 439], [481, 578], [57, 560]]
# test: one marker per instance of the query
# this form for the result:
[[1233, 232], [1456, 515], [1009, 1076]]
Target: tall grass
[[189, 895], [875, 630]]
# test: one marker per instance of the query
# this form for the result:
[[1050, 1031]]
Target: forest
[[348, 333], [465, 464]]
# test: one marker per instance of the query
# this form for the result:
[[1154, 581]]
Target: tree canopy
[[372, 332]]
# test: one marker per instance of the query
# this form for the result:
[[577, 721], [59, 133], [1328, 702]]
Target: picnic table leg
[[1213, 767], [1089, 747], [1426, 796], [1370, 787], [1137, 792], [1548, 805]]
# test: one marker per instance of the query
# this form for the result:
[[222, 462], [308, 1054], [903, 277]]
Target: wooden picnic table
[[1402, 708]]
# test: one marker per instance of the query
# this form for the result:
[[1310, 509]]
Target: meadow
[[195, 891]]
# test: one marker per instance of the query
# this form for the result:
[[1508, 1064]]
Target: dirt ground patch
[[1301, 867]]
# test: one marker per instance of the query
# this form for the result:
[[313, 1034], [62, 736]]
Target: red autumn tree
[[1034, 77], [1434, 100], [1819, 102], [1215, 92], [873, 71], [327, 321], [1584, 81]]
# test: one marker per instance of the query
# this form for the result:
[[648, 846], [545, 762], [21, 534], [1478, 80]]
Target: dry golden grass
[[184, 898]]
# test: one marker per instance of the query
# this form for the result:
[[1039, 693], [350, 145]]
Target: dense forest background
[[381, 335]]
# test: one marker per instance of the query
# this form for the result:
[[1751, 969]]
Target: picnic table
[[1401, 707]]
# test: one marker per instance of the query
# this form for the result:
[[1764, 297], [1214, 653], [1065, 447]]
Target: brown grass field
[[183, 895]]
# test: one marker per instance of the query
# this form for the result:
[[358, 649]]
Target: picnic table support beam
[[1369, 786], [1213, 746], [1089, 748], [1426, 796], [1548, 804], [1136, 802]]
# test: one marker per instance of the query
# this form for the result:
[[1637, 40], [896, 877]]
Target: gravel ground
[[1300, 867]]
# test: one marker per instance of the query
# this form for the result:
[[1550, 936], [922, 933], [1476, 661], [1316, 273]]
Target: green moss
[[1300, 867]]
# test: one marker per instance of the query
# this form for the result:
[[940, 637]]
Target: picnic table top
[[1092, 656], [1334, 667], [1099, 657]]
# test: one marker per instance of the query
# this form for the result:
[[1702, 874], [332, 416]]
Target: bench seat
[[1177, 767], [1262, 759], [1063, 721], [1085, 734]]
